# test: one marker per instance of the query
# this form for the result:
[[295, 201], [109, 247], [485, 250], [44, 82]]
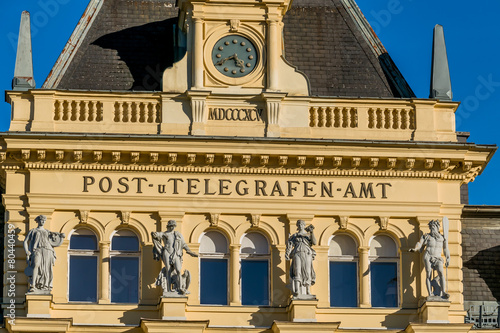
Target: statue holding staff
[[169, 247], [299, 250], [433, 244], [40, 255]]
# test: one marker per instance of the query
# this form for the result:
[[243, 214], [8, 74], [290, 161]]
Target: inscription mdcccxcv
[[235, 114], [242, 188]]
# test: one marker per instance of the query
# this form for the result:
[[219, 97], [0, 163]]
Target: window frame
[[83, 253], [226, 256], [377, 259], [344, 258], [126, 254], [256, 257]]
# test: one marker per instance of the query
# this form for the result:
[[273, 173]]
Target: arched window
[[83, 258], [343, 255], [384, 272], [254, 269], [124, 267], [213, 269]]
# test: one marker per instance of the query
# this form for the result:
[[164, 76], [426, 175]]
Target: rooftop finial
[[23, 74], [440, 76]]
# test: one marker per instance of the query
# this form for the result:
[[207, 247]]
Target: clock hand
[[221, 62], [238, 62]]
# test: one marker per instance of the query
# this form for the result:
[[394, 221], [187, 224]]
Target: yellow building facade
[[235, 152]]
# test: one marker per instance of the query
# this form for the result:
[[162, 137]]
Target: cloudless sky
[[472, 32]]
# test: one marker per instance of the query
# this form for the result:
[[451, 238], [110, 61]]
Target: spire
[[440, 76], [23, 74]]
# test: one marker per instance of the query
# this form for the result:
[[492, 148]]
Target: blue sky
[[405, 27]]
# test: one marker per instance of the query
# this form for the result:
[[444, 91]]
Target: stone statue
[[39, 247], [434, 243], [299, 251], [169, 246]]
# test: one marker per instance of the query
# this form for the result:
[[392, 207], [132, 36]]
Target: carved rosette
[[59, 155], [77, 155], [134, 156], [41, 154], [209, 158], [97, 156], [283, 160], [153, 157], [374, 162], [301, 161], [172, 158], [245, 159], [116, 156], [25, 154], [191, 158], [391, 162], [429, 163], [355, 162]]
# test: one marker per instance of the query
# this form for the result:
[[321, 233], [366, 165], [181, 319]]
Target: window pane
[[213, 281], [83, 242], [384, 284], [83, 279], [254, 282], [125, 243], [213, 242], [254, 243], [124, 280], [343, 284]]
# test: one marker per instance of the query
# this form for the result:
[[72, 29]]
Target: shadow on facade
[[487, 264], [147, 50]]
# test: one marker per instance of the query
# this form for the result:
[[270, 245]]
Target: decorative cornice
[[330, 166]]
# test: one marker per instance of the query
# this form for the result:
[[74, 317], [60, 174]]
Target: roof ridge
[[73, 44], [375, 44]]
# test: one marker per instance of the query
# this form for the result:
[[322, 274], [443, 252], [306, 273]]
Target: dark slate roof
[[130, 44]]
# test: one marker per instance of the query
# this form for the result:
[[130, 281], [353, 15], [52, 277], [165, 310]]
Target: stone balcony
[[206, 113]]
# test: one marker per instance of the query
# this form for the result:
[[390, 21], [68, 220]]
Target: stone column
[[272, 55], [364, 277], [234, 276], [104, 297], [198, 54], [322, 270]]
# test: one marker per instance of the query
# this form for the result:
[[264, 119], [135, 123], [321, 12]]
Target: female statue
[[39, 246], [299, 250]]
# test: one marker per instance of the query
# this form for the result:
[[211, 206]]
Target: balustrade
[[74, 110], [333, 117]]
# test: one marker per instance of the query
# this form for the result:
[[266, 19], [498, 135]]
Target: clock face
[[234, 56]]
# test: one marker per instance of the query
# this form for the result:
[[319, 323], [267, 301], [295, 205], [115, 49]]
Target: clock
[[234, 56]]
